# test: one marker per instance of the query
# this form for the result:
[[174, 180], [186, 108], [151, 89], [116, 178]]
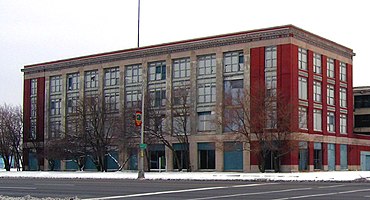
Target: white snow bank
[[303, 176]]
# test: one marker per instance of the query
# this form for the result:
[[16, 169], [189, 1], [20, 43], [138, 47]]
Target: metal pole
[[141, 173], [138, 24]]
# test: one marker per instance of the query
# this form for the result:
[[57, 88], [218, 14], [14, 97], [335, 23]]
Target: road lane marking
[[323, 194], [21, 188], [56, 184], [249, 194], [177, 191], [332, 186]]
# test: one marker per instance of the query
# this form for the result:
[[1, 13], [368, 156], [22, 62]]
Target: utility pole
[[141, 173]]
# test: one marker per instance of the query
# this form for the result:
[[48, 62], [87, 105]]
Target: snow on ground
[[302, 176]]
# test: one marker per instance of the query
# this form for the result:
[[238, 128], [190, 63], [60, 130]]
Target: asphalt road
[[182, 190]]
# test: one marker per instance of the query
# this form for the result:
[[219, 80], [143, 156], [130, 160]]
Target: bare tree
[[11, 131], [261, 119]]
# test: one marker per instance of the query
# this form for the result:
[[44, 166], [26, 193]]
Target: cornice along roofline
[[194, 44]]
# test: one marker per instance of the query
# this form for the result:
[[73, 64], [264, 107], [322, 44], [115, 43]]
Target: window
[[157, 153], [181, 95], [330, 68], [72, 81], [302, 90], [343, 124], [317, 91], [331, 157], [302, 59], [182, 153], [158, 97], [270, 83], [331, 122], [91, 79], [302, 117], [303, 156], [55, 84], [157, 71], [206, 156], [317, 120], [133, 98], [206, 65], [72, 102], [55, 106], [343, 97], [111, 97], [181, 68], [33, 129], [343, 157], [181, 125], [33, 87], [234, 93], [205, 121], [330, 93], [233, 119], [317, 63], [233, 61], [362, 101], [206, 92], [362, 121], [111, 77], [270, 57], [55, 130], [33, 107], [343, 71], [317, 155], [133, 74]]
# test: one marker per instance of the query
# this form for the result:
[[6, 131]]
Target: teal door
[[233, 156], [367, 165], [331, 157], [32, 161]]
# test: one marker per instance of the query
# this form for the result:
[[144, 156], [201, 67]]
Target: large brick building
[[314, 73]]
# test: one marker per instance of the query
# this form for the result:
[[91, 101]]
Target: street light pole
[[141, 173]]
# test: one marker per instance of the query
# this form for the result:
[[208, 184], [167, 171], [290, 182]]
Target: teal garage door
[[233, 156]]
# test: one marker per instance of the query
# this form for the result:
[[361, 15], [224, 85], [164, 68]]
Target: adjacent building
[[314, 73]]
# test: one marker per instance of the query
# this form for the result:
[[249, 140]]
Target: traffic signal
[[138, 119]]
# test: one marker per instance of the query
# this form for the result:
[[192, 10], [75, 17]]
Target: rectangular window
[[270, 83], [72, 81], [181, 95], [317, 91], [233, 92], [111, 77], [72, 102], [331, 157], [55, 84], [317, 120], [157, 71], [331, 122], [343, 71], [55, 129], [181, 125], [158, 97], [111, 97], [91, 79], [233, 61], [207, 93], [303, 156], [33, 106], [317, 155], [133, 74], [181, 68], [302, 117], [330, 68], [362, 121], [206, 156], [302, 88], [33, 129], [133, 98], [33, 87], [206, 65], [343, 157], [270, 57], [330, 93], [55, 105], [343, 97], [362, 101], [302, 59], [206, 121], [317, 63], [343, 124]]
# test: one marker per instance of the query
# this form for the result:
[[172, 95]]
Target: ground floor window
[[303, 156], [317, 155], [233, 156], [343, 157], [157, 156], [182, 154], [206, 155], [331, 157]]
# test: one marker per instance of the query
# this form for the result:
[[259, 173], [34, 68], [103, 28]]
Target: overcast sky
[[35, 31]]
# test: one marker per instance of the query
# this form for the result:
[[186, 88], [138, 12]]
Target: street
[[184, 190]]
